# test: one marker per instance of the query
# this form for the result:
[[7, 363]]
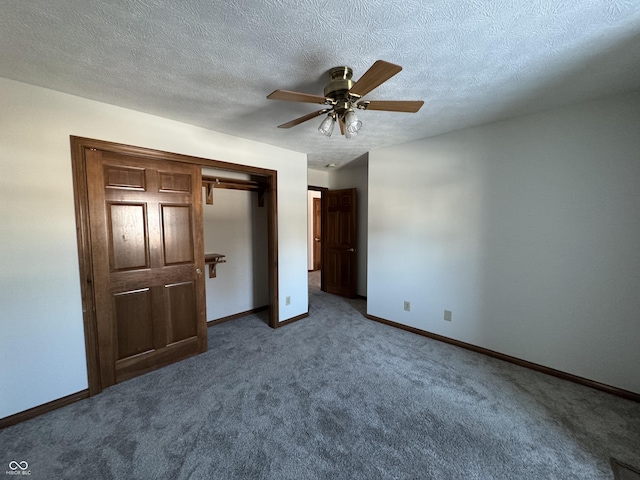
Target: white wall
[[528, 230], [356, 176], [235, 226], [42, 355], [318, 178]]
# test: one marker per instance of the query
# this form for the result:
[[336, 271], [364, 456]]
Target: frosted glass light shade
[[349, 134], [326, 127], [351, 122]]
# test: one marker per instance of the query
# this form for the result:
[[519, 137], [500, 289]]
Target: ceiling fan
[[342, 96]]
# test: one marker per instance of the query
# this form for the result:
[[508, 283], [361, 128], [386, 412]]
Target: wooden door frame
[[81, 199]]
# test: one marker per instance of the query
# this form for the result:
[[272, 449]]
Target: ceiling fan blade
[[377, 74], [408, 106], [300, 120], [297, 97]]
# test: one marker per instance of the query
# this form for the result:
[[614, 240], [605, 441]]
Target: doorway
[[143, 237], [317, 234], [332, 240], [314, 228]]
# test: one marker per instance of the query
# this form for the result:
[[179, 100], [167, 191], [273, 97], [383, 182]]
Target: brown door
[[147, 256], [317, 229], [339, 242]]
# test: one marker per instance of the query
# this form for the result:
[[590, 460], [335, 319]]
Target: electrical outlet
[[287, 301], [447, 315], [407, 306]]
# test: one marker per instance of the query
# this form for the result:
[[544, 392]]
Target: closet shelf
[[213, 259], [210, 182]]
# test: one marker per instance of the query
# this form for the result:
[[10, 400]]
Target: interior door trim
[[79, 170]]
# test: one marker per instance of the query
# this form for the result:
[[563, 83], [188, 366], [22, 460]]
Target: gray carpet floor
[[332, 396]]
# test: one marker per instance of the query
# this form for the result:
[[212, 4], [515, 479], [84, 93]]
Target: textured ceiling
[[212, 63]]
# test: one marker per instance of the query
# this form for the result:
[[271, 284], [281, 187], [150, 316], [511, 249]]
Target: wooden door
[[317, 238], [147, 255], [339, 242]]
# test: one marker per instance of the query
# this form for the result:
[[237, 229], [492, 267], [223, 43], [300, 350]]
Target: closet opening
[[235, 230]]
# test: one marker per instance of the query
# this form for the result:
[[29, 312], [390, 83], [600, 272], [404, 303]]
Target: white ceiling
[[213, 62]]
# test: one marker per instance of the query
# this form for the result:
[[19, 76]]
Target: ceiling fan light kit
[[342, 95]]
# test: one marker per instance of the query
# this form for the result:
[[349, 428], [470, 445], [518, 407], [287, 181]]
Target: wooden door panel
[[180, 301], [124, 177], [149, 361], [128, 236], [345, 233], [333, 229], [340, 273], [148, 258], [174, 182], [177, 234], [332, 266], [134, 322], [339, 242]]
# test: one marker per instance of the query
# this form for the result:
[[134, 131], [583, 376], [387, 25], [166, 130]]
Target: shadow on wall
[[601, 74], [260, 252]]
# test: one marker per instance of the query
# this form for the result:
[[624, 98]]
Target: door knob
[[351, 250], [198, 271]]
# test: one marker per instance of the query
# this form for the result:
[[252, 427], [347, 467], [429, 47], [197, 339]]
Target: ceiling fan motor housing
[[339, 86]]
